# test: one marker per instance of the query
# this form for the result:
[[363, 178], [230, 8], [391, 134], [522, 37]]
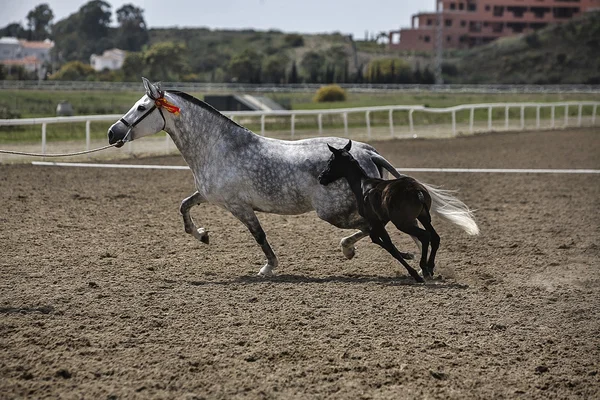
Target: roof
[[30, 60], [9, 40], [46, 44]]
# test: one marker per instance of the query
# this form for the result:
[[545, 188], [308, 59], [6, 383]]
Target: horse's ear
[[152, 91], [333, 149], [348, 146]]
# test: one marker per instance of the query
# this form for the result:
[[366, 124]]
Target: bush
[[330, 93]]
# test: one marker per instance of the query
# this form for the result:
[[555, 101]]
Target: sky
[[303, 16]]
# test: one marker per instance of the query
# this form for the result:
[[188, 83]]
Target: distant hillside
[[562, 53]]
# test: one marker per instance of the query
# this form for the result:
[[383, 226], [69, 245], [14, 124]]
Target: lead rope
[[24, 153]]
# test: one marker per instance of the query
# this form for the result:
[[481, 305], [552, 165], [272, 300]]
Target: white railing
[[367, 111]]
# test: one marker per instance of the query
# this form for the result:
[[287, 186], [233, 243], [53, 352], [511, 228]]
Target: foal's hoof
[[349, 252], [201, 234], [408, 256]]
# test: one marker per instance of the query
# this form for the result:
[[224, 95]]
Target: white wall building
[[31, 55], [111, 59]]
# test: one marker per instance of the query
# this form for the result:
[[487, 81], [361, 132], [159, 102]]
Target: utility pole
[[439, 42]]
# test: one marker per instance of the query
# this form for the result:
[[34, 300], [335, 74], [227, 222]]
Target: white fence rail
[[367, 111]]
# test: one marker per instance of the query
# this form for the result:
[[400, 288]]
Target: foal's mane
[[206, 106]]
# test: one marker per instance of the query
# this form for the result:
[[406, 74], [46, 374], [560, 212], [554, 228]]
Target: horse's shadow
[[348, 279]]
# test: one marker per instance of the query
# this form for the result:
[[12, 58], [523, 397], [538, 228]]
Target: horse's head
[[338, 164], [145, 118]]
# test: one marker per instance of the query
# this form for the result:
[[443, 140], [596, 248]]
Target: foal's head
[[341, 164]]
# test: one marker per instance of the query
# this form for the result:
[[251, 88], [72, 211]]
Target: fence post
[[262, 125], [506, 117], [167, 143], [522, 117], [87, 134], [489, 118], [293, 124], [44, 138], [594, 114], [345, 116], [471, 119], [453, 122], [368, 120], [566, 115], [579, 112], [320, 122], [537, 117], [391, 117], [411, 121], [552, 113]]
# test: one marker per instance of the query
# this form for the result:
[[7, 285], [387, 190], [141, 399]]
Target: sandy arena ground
[[104, 296]]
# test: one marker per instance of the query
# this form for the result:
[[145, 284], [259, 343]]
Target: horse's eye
[[141, 107]]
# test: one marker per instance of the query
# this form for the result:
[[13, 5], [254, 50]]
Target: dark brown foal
[[402, 201]]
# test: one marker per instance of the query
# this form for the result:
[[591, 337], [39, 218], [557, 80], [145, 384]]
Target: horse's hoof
[[349, 252], [201, 234], [266, 271], [408, 256], [419, 279]]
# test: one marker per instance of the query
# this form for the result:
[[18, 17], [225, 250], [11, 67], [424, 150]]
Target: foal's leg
[[424, 238], [188, 223], [425, 219], [247, 216], [380, 236]]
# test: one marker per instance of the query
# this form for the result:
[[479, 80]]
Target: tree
[[166, 61], [293, 78], [313, 63], [132, 33], [39, 20], [246, 66], [73, 71], [132, 66], [94, 19], [274, 68], [14, 30]]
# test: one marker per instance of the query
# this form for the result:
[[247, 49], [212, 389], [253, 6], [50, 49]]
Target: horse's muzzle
[[112, 139], [323, 180]]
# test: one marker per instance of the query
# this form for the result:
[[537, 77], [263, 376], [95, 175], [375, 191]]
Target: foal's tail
[[451, 209], [443, 203]]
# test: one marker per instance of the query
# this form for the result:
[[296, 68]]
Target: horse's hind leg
[[424, 237], [188, 223], [348, 243], [247, 216], [425, 219]]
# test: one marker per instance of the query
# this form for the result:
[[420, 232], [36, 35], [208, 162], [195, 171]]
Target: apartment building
[[468, 23]]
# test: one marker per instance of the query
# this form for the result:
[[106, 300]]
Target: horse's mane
[[206, 106]]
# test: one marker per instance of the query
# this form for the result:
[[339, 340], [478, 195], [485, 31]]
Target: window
[[449, 39], [539, 11], [517, 11], [453, 6], [487, 8], [463, 23], [427, 39], [448, 22], [429, 22], [461, 6], [498, 11], [471, 7]]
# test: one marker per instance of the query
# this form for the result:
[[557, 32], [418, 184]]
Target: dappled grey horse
[[243, 172]]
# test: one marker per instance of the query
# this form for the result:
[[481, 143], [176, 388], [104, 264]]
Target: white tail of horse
[[443, 203], [449, 208]]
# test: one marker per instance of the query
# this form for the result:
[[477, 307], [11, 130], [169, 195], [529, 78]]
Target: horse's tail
[[449, 208], [383, 163], [443, 203]]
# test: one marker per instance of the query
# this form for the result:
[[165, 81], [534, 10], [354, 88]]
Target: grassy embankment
[[28, 104]]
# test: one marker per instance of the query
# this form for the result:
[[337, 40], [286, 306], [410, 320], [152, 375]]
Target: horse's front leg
[[188, 223], [247, 216]]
